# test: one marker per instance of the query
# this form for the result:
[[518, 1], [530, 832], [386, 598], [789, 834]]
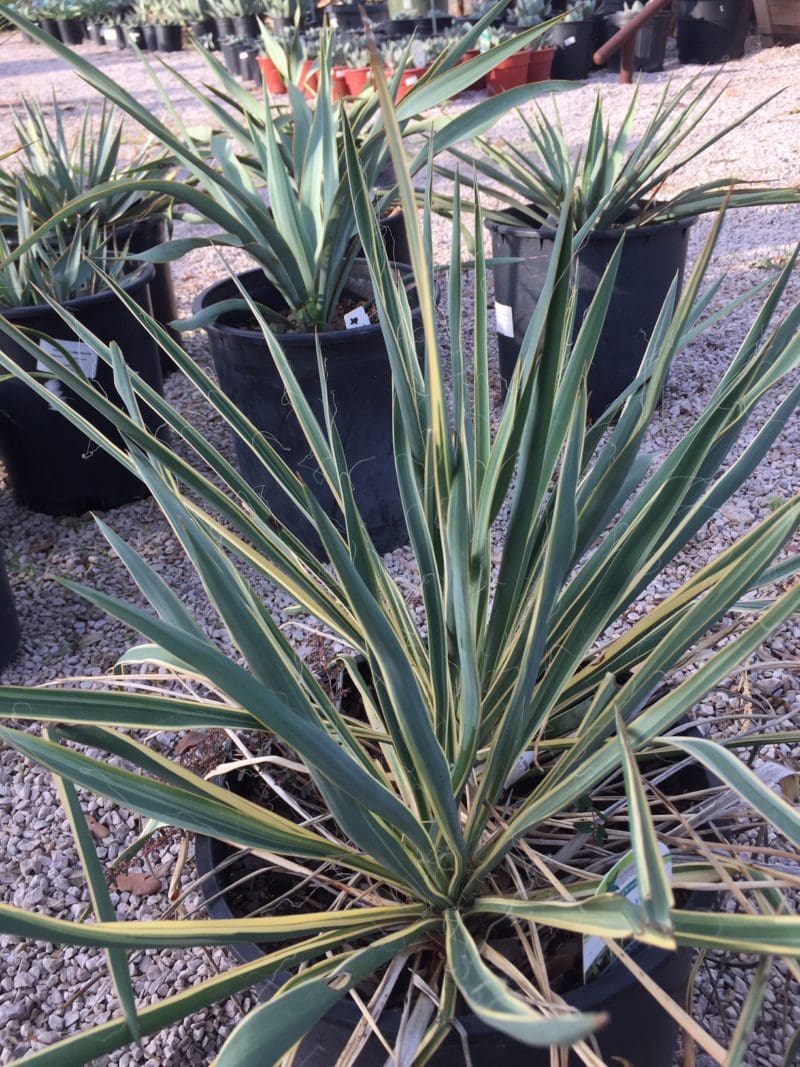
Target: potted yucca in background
[[651, 40], [623, 196], [428, 840], [50, 464], [574, 39], [275, 185], [56, 167]]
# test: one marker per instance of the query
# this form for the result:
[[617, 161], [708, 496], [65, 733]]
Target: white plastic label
[[355, 318], [81, 353], [244, 55], [110, 33], [504, 319], [412, 79], [621, 879], [569, 41]]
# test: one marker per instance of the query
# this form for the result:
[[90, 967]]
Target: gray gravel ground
[[47, 993]]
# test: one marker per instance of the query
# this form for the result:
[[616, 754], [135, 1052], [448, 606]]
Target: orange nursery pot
[[479, 83], [339, 82], [530, 65], [309, 79], [408, 78], [272, 79], [356, 79]]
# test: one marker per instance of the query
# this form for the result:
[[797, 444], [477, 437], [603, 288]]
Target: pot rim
[[329, 337], [612, 233], [614, 980], [145, 272]]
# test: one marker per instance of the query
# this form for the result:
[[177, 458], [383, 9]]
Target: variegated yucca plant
[[517, 642], [275, 183], [618, 180], [55, 167]]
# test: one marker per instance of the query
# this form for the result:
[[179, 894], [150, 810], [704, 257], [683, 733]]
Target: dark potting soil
[[245, 320]]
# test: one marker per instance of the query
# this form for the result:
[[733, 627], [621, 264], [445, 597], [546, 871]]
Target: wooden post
[[626, 40], [627, 60]]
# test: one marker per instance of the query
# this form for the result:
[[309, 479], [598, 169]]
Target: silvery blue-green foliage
[[54, 168], [63, 266], [275, 183], [512, 660], [618, 180]]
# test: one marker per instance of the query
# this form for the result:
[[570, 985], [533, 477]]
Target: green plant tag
[[621, 879]]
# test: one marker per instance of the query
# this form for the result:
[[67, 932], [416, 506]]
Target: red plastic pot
[[309, 79], [408, 79], [339, 83], [271, 75], [356, 80], [523, 68], [480, 83]]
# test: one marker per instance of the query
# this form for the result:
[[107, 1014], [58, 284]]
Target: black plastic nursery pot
[[51, 26], [650, 260], [245, 26], [639, 1032], [52, 466], [360, 391], [223, 25], [71, 31], [249, 69], [139, 237], [651, 41], [348, 16], [230, 55], [143, 37], [710, 31], [422, 27], [9, 623], [168, 38], [574, 44], [205, 31], [395, 237], [115, 36]]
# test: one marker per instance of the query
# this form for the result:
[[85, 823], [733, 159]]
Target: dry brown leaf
[[138, 883], [96, 828]]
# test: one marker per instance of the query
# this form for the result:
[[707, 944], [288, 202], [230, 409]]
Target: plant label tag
[[569, 41], [504, 319], [80, 353], [244, 55], [355, 318], [110, 33], [623, 880], [522, 766], [412, 79]]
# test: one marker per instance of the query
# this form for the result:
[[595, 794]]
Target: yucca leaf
[[488, 996]]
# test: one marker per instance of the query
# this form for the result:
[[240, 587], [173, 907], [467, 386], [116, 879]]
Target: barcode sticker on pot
[[355, 318], [623, 880], [84, 356], [504, 319]]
